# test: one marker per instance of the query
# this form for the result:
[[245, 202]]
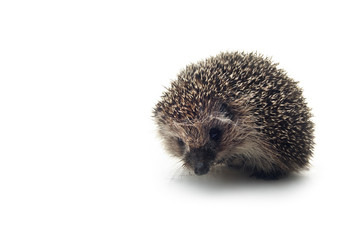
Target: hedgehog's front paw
[[234, 166], [271, 175]]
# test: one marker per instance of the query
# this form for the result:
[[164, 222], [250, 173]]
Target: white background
[[79, 156]]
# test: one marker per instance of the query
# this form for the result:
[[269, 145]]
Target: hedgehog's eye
[[180, 142], [225, 109], [215, 134]]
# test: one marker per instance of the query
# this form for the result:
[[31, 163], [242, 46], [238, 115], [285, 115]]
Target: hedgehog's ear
[[224, 108]]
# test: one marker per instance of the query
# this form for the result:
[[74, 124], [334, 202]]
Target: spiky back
[[278, 106]]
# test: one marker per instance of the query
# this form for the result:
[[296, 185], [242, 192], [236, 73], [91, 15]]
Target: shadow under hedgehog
[[236, 109]]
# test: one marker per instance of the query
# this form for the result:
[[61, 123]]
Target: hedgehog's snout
[[200, 159], [200, 168]]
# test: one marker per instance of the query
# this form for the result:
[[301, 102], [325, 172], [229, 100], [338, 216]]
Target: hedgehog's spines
[[251, 86]]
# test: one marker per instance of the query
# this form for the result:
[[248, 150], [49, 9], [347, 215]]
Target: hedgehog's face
[[200, 147], [197, 144], [202, 142], [207, 140]]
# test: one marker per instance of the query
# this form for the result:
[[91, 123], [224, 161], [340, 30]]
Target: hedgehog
[[239, 110]]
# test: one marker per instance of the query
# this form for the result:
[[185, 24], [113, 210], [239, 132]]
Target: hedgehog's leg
[[236, 162], [273, 173], [234, 166]]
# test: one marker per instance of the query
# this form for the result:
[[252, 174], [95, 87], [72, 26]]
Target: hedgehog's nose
[[200, 168]]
